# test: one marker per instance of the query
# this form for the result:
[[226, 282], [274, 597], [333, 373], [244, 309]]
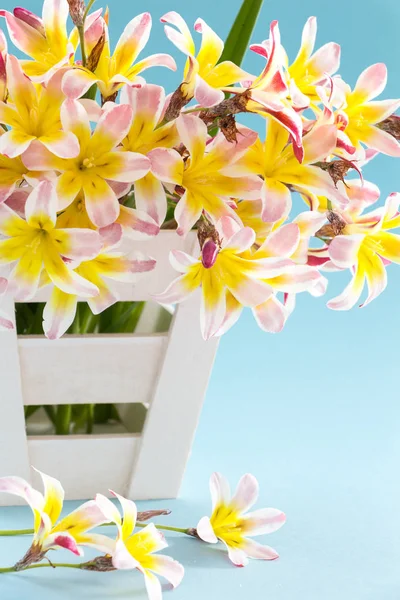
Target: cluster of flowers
[[137, 549], [78, 177]]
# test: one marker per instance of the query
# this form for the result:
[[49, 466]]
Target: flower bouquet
[[104, 177]]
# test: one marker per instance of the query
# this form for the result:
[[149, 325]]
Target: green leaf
[[239, 36]]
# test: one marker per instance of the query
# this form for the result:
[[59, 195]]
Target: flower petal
[[129, 515], [150, 198], [270, 315], [371, 83], [276, 200], [61, 143], [14, 143], [53, 496], [65, 278], [282, 242], [263, 521], [166, 165], [62, 540], [78, 244], [123, 166], [246, 493], [344, 249], [193, 133], [205, 94], [350, 294], [101, 202], [41, 206], [240, 241], [220, 490], [237, 556], [258, 551], [205, 531], [112, 127], [58, 314], [21, 488], [167, 567]]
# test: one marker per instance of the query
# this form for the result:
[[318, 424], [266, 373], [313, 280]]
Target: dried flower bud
[[99, 564], [30, 19], [178, 100], [228, 128], [209, 253], [337, 169], [335, 227], [149, 514], [94, 56], [77, 10], [391, 125], [35, 554]]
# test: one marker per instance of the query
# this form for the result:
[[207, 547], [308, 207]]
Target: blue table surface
[[313, 413]]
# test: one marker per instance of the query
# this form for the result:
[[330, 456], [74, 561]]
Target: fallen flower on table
[[137, 550], [69, 533], [230, 524]]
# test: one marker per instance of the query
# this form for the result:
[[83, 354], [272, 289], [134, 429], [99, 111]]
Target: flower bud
[[209, 253], [77, 10], [30, 19]]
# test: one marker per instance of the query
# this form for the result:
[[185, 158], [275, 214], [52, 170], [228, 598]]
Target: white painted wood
[[13, 447], [95, 369], [173, 416], [86, 464]]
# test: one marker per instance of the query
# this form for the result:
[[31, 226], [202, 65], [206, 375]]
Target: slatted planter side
[[168, 373]]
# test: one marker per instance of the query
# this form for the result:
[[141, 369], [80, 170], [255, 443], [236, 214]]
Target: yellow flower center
[[87, 163]]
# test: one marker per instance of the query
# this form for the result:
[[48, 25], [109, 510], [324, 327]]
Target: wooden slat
[[13, 448], [95, 369], [173, 415], [86, 464]]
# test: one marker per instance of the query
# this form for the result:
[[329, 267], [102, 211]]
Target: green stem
[[12, 532], [42, 565], [63, 419], [81, 31], [89, 6]]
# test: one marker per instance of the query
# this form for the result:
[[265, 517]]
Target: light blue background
[[313, 412]]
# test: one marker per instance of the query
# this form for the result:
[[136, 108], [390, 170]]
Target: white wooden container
[[168, 373]]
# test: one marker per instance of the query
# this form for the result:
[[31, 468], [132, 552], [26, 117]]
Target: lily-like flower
[[288, 242], [99, 161], [309, 69], [109, 264], [145, 135], [112, 72], [267, 93], [202, 176], [208, 76], [230, 524], [365, 245], [44, 39], [225, 267], [49, 533], [276, 162], [360, 113], [137, 550], [34, 114], [35, 244]]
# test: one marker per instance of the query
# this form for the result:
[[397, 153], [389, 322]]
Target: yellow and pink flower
[[98, 163], [231, 524], [137, 550]]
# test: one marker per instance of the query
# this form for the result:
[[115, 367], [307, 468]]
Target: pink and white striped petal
[[150, 198], [205, 94], [263, 521], [62, 540], [41, 206], [246, 493], [350, 295], [63, 144], [371, 83], [166, 165], [101, 202], [193, 133], [59, 313], [344, 249], [240, 241], [167, 567], [254, 550], [220, 490], [282, 242], [276, 200]]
